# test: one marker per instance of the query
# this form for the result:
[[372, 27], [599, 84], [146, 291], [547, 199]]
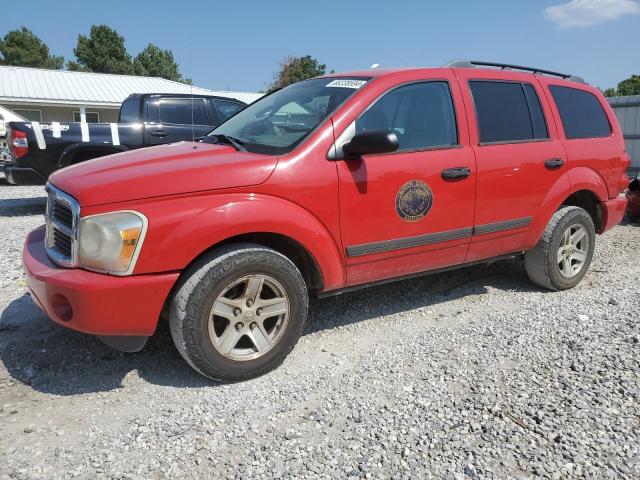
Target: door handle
[[456, 173], [553, 163], [159, 133]]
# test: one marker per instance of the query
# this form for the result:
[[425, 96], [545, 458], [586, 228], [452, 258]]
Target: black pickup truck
[[38, 149]]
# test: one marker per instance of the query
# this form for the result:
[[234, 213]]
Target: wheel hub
[[573, 251], [248, 316]]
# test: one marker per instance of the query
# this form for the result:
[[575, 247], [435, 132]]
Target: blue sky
[[237, 45]]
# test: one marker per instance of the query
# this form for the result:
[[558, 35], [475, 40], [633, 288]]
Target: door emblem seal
[[413, 201]]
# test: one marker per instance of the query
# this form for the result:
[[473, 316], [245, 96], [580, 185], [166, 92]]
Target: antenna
[[193, 132]]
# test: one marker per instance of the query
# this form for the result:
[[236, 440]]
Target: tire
[[201, 341], [542, 264]]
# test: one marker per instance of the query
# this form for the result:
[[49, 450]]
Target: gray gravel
[[467, 375]]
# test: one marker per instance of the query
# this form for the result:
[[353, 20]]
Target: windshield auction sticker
[[346, 83]]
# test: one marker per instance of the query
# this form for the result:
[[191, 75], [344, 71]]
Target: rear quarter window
[[130, 111], [581, 113]]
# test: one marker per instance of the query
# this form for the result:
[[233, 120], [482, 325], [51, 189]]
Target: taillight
[[19, 144]]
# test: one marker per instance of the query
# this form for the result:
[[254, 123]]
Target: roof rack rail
[[505, 66]]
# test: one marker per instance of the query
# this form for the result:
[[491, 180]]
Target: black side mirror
[[371, 142]]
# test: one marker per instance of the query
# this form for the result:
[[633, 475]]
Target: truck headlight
[[110, 242]]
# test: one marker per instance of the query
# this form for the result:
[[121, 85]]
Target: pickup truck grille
[[62, 219]]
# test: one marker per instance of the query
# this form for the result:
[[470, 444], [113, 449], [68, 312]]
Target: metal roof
[[38, 86], [627, 110]]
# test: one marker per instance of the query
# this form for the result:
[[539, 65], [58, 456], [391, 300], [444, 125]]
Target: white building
[[63, 96], [628, 112]]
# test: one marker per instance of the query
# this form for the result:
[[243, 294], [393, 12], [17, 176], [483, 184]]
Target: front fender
[[181, 229]]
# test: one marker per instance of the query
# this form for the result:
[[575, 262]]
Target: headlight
[[110, 242]]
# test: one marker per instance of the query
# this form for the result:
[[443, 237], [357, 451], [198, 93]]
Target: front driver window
[[421, 115]]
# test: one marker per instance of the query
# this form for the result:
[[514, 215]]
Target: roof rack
[[505, 66]]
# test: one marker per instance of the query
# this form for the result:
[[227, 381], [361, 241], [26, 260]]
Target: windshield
[[277, 123]]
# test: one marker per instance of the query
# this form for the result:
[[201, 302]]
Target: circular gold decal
[[413, 201]]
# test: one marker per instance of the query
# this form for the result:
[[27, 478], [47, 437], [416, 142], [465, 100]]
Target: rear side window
[[421, 115], [535, 110], [581, 113], [508, 112], [130, 111], [227, 109], [179, 111]]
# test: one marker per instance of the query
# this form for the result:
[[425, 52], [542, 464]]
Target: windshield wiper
[[221, 138]]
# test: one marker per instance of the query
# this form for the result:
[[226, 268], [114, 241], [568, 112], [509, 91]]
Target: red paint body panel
[[512, 178], [614, 211], [368, 190], [162, 171], [101, 304], [606, 157], [196, 196]]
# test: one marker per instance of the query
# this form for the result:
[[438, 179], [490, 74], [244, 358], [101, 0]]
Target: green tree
[[103, 51], [155, 62], [630, 86], [22, 48], [294, 69]]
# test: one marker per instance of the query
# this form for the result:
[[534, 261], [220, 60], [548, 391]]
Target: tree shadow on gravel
[[55, 360], [20, 207]]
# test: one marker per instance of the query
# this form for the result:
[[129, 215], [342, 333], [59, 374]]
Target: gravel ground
[[466, 375]]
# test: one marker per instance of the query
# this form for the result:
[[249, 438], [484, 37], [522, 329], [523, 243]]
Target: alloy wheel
[[573, 251], [248, 317]]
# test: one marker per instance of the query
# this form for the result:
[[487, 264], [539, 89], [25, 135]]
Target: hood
[[183, 167]]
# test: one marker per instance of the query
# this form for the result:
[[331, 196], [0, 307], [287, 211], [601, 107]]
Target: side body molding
[[200, 222]]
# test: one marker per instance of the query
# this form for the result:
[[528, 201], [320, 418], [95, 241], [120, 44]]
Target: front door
[[410, 210]]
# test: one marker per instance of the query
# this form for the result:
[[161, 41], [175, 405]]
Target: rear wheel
[[238, 312], [562, 256]]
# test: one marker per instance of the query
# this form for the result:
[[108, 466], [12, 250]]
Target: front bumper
[[614, 211], [91, 302], [23, 175]]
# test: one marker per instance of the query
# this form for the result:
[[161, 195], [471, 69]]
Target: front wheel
[[238, 312], [563, 255]]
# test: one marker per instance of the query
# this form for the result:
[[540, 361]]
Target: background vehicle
[[633, 195], [6, 116], [327, 185], [38, 149]]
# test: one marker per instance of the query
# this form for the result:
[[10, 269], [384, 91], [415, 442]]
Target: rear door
[[173, 119], [518, 153], [399, 213]]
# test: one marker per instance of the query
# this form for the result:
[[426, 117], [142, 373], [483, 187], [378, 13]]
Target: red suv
[[332, 183]]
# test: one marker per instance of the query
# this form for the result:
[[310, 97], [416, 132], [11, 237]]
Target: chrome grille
[[61, 212], [62, 218]]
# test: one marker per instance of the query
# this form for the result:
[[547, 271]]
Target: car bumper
[[23, 175], [91, 302], [614, 210]]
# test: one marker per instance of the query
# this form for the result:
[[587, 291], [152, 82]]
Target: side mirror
[[371, 142]]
